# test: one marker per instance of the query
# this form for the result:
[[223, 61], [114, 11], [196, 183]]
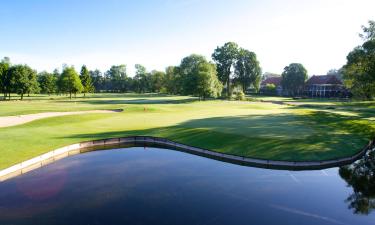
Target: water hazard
[[149, 185]]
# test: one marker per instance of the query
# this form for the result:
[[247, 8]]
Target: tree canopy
[[47, 82], [22, 79], [359, 71], [247, 70], [4, 76], [86, 80], [293, 78], [70, 82], [225, 58]]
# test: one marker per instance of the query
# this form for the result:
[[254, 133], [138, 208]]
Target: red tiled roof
[[272, 80], [323, 79]]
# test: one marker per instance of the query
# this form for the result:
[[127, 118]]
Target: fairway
[[307, 131]]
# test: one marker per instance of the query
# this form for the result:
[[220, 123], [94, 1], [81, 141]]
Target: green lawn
[[302, 132]]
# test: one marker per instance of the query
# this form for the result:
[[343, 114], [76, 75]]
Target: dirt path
[[8, 121]]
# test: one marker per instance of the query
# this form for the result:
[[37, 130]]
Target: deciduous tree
[[4, 76], [225, 58], [70, 82], [22, 79], [247, 70], [208, 84], [294, 78]]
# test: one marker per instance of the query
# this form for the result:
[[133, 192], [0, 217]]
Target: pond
[[151, 185]]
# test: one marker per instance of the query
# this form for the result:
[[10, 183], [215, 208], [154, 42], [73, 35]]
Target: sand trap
[[8, 121]]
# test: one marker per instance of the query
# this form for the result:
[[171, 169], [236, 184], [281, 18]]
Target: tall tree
[[157, 81], [98, 80], [225, 58], [87, 84], [47, 82], [188, 71], [359, 71], [22, 80], [142, 80], [117, 76], [172, 80], [208, 84], [294, 78], [4, 76], [247, 70], [70, 82]]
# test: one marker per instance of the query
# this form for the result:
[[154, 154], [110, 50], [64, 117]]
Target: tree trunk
[[228, 88], [21, 96], [70, 94]]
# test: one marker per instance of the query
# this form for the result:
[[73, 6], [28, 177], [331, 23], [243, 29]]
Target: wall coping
[[78, 148]]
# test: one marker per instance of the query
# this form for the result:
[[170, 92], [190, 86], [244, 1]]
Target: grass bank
[[303, 132]]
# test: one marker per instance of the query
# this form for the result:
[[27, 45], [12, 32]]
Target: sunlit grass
[[252, 129]]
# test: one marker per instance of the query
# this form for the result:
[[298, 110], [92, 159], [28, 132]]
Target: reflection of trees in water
[[361, 177]]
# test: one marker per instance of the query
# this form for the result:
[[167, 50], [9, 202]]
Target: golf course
[[271, 128]]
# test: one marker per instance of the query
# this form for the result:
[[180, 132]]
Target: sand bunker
[[8, 121]]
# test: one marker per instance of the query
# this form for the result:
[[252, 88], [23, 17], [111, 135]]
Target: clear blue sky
[[157, 33]]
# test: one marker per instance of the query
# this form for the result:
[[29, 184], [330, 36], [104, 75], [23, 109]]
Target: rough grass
[[253, 129]]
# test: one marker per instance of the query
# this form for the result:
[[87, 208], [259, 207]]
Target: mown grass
[[252, 129]]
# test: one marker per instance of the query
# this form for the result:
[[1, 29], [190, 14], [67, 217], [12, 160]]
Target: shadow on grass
[[361, 109], [134, 101], [312, 137]]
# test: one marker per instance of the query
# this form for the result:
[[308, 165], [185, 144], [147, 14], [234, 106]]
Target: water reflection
[[151, 185], [361, 177]]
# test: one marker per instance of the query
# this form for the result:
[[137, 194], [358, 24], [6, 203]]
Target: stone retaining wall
[[74, 149]]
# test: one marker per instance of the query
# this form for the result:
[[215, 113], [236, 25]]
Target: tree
[[188, 71], [359, 71], [293, 78], [172, 80], [208, 85], [337, 73], [157, 81], [247, 70], [22, 79], [4, 76], [142, 80], [47, 82], [87, 84], [117, 76], [225, 58], [368, 32], [98, 80], [70, 82], [33, 86]]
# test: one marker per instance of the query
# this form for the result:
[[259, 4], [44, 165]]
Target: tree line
[[231, 66]]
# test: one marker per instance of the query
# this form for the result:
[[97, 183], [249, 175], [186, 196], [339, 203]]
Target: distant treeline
[[194, 76]]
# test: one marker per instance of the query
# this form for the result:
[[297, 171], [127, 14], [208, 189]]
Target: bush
[[240, 96]]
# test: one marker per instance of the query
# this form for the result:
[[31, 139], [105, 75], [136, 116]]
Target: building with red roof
[[324, 86]]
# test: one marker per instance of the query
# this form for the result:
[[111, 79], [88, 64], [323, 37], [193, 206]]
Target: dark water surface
[[158, 186]]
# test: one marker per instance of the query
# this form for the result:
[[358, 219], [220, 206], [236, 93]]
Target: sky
[[46, 34]]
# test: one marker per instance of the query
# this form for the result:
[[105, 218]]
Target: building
[[271, 80], [325, 86]]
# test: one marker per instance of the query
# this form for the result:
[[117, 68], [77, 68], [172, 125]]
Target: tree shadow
[[308, 137], [360, 109]]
